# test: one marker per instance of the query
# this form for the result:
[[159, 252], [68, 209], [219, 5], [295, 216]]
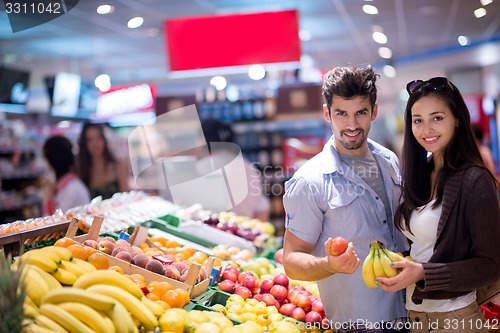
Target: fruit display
[[378, 263]]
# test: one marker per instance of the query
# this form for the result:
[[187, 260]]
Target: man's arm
[[300, 264]]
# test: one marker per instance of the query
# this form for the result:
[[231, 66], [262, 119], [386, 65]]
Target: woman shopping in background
[[449, 211], [69, 191], [103, 174]]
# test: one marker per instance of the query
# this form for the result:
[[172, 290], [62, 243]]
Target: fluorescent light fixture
[[103, 82], [219, 82], [480, 12], [463, 40], [379, 37], [135, 22], [486, 2], [385, 52], [105, 9], [370, 9], [256, 72]]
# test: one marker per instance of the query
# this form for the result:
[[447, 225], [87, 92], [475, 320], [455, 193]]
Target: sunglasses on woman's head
[[437, 83]]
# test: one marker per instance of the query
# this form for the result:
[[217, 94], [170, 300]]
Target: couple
[[448, 211]]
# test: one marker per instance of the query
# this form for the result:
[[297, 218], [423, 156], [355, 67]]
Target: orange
[[99, 260], [153, 297], [137, 276], [65, 242], [172, 243], [117, 268], [90, 250], [200, 257], [163, 304], [173, 298], [152, 284], [179, 257], [78, 251], [184, 294], [161, 287], [157, 239]]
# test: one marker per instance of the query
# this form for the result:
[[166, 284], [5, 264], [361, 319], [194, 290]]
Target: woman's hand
[[410, 274]]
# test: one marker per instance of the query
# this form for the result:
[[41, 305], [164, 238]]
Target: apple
[[227, 286], [279, 292], [313, 317], [278, 256], [268, 299], [292, 295], [281, 279], [232, 227], [243, 292], [266, 285], [258, 297], [338, 246], [287, 309], [230, 273], [242, 275], [299, 314], [303, 301], [91, 243], [251, 282], [317, 306], [106, 246]]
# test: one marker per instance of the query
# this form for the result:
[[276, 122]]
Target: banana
[[68, 294], [34, 328], [45, 263], [35, 285], [48, 323], [64, 318], [367, 270], [154, 307], [49, 278], [110, 327], [64, 276], [131, 303], [73, 268], [110, 278], [30, 311], [62, 252], [86, 266], [377, 263], [121, 319], [386, 265], [86, 315], [42, 253], [393, 256], [409, 258], [29, 301]]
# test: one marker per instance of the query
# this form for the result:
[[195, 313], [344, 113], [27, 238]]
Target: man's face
[[350, 120]]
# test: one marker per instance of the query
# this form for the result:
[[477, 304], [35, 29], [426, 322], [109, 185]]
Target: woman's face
[[433, 124], [94, 141]]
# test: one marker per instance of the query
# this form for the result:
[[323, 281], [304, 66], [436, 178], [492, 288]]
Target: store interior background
[[422, 35]]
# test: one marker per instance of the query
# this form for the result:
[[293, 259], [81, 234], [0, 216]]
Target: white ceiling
[[421, 33]]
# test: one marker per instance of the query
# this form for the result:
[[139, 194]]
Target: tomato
[[338, 246]]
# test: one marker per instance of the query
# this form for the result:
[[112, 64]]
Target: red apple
[[287, 309], [227, 286], [278, 256], [266, 285], [242, 275], [304, 302], [299, 314], [251, 282], [279, 292], [338, 246], [230, 273], [268, 299], [292, 295], [243, 292], [258, 297], [313, 317], [317, 306], [281, 279]]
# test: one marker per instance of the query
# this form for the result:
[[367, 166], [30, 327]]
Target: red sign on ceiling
[[232, 40]]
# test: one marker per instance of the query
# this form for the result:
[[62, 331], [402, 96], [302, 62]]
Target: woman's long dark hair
[[85, 159], [461, 153]]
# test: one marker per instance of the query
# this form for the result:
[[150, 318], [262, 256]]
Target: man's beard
[[352, 145]]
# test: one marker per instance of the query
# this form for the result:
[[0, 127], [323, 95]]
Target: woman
[[69, 191], [449, 212], [103, 174]]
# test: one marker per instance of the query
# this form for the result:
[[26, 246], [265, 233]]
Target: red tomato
[[339, 245]]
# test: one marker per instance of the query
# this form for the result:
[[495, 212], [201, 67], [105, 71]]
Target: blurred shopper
[[256, 204], [450, 213], [484, 150], [101, 172], [349, 189], [69, 191]]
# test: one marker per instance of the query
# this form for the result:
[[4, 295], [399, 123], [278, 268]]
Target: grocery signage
[[125, 100], [233, 40]]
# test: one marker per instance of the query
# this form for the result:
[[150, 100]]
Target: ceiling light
[[103, 82], [256, 72], [219, 82], [385, 52], [389, 71], [379, 37], [135, 22], [370, 9], [486, 2], [105, 9], [463, 40], [304, 35], [480, 12]]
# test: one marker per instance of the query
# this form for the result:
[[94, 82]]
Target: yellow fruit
[[173, 320]]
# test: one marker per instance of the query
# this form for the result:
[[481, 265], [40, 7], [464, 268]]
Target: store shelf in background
[[283, 123], [182, 241]]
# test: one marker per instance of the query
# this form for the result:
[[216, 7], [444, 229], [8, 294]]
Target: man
[[350, 189]]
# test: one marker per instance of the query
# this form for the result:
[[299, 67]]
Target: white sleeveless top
[[423, 224]]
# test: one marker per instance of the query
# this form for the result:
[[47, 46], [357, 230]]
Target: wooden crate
[[194, 289]]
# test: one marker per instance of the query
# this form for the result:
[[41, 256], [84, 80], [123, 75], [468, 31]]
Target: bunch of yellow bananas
[[378, 263]]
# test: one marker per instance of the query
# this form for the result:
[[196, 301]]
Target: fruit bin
[[194, 289], [212, 296]]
